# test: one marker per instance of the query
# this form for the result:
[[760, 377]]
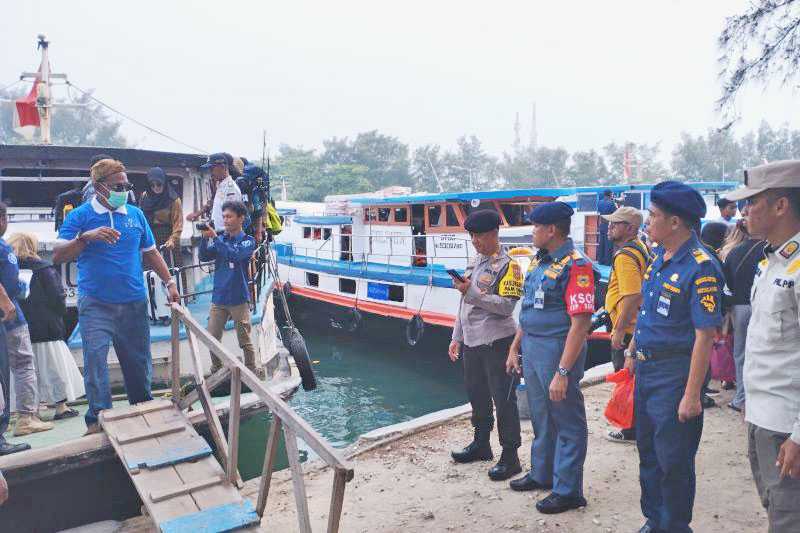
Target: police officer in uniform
[[680, 312], [772, 351], [556, 313], [483, 330]]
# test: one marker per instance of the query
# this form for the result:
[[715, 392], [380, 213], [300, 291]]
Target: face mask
[[116, 199]]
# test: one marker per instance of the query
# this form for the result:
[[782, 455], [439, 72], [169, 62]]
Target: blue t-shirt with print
[[110, 272], [9, 278]]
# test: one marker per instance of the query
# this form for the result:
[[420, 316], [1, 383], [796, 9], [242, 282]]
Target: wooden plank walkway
[[183, 487]]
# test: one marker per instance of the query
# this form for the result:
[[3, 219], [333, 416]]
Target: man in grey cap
[[483, 331], [772, 350]]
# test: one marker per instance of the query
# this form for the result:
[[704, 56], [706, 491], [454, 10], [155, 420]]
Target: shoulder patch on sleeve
[[510, 285], [789, 249], [700, 255], [706, 279]]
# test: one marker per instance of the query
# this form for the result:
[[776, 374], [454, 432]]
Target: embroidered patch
[[789, 250], [700, 256], [672, 288], [709, 302], [783, 283], [705, 279], [511, 282], [706, 290], [12, 258], [582, 280], [674, 277], [793, 267]]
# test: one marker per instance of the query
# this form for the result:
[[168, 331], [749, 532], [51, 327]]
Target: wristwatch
[[563, 371], [629, 354], [170, 282]]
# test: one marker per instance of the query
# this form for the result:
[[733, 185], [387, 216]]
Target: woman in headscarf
[[163, 211]]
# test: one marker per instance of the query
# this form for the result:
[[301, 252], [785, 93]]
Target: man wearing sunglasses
[[109, 239], [772, 347]]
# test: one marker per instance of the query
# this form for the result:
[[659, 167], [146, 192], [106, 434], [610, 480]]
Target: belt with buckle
[[655, 355]]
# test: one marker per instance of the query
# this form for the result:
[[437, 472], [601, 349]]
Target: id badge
[[663, 305], [538, 299], [231, 265]]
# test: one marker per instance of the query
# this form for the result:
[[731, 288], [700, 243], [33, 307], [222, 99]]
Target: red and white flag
[[26, 114]]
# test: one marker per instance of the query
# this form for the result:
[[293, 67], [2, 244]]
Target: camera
[[202, 226]]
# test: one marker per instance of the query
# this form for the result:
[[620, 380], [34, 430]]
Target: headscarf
[[152, 202]]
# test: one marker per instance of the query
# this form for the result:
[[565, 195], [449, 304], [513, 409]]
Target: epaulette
[[700, 255]]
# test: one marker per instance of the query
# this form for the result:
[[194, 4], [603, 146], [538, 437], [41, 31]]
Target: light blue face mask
[[116, 199]]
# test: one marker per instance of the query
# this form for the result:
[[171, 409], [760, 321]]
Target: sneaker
[[619, 436], [711, 392], [728, 385], [735, 407], [28, 423]]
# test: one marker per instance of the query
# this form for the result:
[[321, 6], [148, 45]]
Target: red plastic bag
[[723, 367], [619, 410]]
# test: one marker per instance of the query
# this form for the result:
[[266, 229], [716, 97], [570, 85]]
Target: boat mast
[[42, 78]]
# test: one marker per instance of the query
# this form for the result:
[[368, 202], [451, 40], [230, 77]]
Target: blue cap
[[215, 159], [550, 213], [678, 198], [253, 171], [157, 174]]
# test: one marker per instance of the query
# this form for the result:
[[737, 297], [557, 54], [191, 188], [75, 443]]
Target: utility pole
[[534, 135], [517, 140]]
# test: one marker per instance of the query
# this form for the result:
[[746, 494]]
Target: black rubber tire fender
[[296, 345], [415, 329]]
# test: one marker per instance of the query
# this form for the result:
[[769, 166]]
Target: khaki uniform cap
[[777, 175], [626, 213]]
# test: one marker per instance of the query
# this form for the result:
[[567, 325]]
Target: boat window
[[452, 219], [326, 233], [370, 213], [317, 234], [383, 214], [396, 293], [516, 213], [401, 214], [435, 215], [347, 285], [312, 280], [306, 232]]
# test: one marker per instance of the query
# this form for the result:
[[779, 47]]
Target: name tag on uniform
[[663, 305], [231, 266], [538, 299]]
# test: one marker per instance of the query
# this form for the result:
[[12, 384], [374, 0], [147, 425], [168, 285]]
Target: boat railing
[[286, 423]]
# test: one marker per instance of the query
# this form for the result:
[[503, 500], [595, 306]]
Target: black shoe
[[555, 503], [507, 467], [729, 385], [473, 452], [707, 402], [647, 528], [526, 483], [6, 448], [711, 391], [735, 408]]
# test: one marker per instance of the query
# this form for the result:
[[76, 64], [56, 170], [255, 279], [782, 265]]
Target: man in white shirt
[[772, 352], [727, 210], [226, 189]]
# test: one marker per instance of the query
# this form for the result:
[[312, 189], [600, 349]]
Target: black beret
[[678, 198], [219, 158], [482, 221], [550, 213]]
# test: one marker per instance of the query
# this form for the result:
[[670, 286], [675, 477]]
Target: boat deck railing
[[286, 424]]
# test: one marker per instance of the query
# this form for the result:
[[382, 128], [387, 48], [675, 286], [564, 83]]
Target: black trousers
[[5, 381], [618, 360], [487, 382]]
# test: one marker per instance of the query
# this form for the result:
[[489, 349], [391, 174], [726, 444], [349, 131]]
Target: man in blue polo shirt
[[109, 239], [231, 252]]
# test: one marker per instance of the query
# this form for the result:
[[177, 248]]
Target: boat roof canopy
[[324, 220], [48, 157], [553, 192]]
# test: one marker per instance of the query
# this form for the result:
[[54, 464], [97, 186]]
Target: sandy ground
[[413, 485]]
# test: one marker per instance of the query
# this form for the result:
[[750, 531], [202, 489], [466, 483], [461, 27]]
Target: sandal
[[69, 413]]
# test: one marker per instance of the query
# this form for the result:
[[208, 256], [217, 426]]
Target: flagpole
[[43, 102]]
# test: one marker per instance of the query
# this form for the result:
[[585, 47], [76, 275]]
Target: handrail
[[284, 418]]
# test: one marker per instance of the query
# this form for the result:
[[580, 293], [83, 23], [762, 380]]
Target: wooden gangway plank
[[177, 477]]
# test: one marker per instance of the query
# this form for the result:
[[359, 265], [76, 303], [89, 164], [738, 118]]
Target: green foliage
[[86, 125]]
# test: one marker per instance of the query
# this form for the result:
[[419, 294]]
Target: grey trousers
[[20, 360], [741, 318], [779, 497]]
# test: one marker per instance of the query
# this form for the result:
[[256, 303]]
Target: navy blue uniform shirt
[[679, 296], [9, 278], [231, 255]]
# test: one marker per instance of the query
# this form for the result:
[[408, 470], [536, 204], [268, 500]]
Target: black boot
[[507, 466], [478, 450]]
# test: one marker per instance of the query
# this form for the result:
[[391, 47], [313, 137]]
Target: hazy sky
[[214, 74]]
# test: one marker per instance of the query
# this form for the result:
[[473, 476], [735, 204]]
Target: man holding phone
[[483, 331]]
